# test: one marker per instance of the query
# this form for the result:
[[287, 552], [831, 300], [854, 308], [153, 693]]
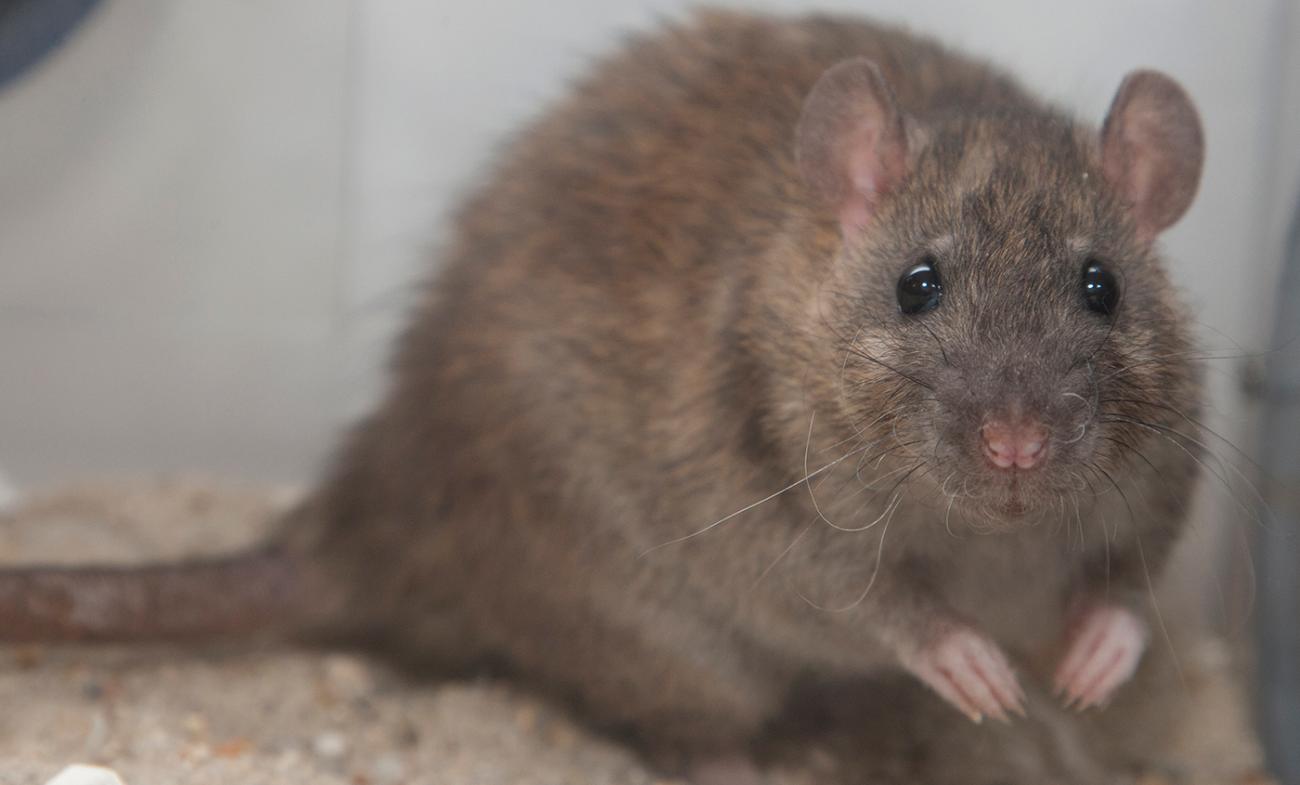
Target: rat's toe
[[970, 672], [1103, 653]]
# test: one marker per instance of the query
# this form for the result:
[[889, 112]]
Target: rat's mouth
[[1011, 507], [1017, 496]]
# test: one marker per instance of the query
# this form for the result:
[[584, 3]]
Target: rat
[[781, 349]]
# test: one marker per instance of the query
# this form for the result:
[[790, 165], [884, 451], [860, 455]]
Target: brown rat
[[778, 349]]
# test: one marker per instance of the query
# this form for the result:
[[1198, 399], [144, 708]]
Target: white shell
[[86, 775]]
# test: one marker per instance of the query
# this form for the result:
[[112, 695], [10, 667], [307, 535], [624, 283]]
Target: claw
[[970, 672], [1103, 653]]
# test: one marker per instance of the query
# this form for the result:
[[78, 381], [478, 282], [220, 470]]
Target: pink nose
[[1021, 445]]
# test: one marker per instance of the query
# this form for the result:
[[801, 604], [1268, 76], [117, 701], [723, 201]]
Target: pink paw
[[970, 672], [1105, 646]]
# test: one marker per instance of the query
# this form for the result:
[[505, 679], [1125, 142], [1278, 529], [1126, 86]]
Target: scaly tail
[[251, 592]]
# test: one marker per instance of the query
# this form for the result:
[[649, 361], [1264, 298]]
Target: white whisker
[[749, 507], [880, 554]]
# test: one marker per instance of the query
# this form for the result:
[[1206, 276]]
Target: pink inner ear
[[1133, 165], [851, 145], [1152, 150], [1141, 182], [864, 189], [874, 162]]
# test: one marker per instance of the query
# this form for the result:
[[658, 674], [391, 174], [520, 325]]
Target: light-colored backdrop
[[210, 212]]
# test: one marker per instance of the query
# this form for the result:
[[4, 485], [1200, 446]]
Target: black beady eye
[[919, 290], [1100, 289]]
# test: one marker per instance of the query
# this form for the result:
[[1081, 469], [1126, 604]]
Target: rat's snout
[[1019, 443]]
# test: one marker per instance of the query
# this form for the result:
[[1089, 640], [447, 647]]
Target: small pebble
[[92, 690], [407, 734], [28, 657], [86, 775], [330, 745], [526, 717], [233, 748], [195, 752], [155, 740], [389, 768], [196, 725], [288, 761], [97, 734], [563, 735], [347, 679]]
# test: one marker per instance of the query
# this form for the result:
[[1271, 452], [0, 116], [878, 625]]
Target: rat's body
[[667, 304]]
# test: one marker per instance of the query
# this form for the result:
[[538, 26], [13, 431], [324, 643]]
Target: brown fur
[[646, 322]]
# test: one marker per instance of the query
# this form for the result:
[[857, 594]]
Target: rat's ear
[[1152, 148], [850, 143]]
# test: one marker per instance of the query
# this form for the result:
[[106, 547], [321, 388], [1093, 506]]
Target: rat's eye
[[919, 290], [1100, 289]]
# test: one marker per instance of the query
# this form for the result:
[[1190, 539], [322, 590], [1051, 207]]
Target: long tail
[[250, 592]]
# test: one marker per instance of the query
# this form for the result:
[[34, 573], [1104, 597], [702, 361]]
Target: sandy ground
[[217, 717]]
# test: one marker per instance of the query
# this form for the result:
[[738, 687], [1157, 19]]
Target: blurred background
[[212, 213]]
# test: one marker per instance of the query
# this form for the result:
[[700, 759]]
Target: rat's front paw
[[1105, 644], [969, 671]]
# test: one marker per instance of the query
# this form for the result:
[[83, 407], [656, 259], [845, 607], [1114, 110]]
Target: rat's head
[[1003, 321]]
